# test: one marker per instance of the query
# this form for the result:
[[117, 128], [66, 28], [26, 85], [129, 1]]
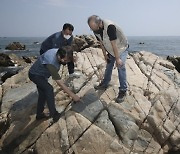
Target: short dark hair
[[68, 26], [65, 52]]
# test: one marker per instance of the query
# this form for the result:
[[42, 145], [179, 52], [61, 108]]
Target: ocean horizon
[[160, 45]]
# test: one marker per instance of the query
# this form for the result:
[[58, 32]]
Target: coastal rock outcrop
[[175, 61], [15, 46], [10, 64], [84, 41], [147, 121], [5, 60], [141, 42]]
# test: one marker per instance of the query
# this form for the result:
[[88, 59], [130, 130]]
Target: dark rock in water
[[175, 61], [36, 42], [27, 59], [15, 46], [141, 42], [5, 60]]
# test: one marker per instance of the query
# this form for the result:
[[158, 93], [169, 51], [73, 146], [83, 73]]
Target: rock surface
[[147, 121], [10, 64], [5, 60], [175, 61], [84, 41]]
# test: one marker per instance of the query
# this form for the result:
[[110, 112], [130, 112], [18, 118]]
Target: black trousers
[[46, 94], [70, 66]]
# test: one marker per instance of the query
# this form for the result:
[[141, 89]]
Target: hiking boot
[[101, 86], [121, 96], [56, 116], [42, 116]]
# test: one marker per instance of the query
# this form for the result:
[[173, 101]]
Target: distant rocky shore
[[15, 46], [146, 122]]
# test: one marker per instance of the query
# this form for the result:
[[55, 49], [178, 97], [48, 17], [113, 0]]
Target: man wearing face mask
[[58, 40], [48, 64], [114, 45]]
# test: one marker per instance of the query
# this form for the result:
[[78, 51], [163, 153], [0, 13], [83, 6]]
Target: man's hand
[[106, 57], [119, 62], [68, 91]]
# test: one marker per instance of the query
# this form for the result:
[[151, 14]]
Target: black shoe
[[121, 96], [41, 116], [101, 86], [56, 117]]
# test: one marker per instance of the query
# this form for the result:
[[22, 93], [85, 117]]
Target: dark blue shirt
[[56, 40], [39, 67]]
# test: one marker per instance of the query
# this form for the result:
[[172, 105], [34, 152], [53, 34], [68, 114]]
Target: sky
[[41, 18]]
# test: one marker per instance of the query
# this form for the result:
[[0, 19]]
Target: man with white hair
[[114, 45]]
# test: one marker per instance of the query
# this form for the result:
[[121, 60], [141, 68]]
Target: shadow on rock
[[90, 105], [26, 131], [23, 129]]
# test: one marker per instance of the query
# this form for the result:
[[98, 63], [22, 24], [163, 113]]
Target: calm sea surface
[[160, 45]]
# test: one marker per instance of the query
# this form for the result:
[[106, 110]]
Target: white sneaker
[[75, 75]]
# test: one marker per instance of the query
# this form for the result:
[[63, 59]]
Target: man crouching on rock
[[48, 64]]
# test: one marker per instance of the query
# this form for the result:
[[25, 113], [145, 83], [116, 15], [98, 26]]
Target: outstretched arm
[[55, 76], [67, 90]]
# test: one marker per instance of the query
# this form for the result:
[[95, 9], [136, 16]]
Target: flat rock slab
[[90, 106], [17, 94]]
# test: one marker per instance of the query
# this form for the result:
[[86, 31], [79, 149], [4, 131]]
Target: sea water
[[159, 45]]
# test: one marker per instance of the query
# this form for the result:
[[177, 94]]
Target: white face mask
[[67, 36]]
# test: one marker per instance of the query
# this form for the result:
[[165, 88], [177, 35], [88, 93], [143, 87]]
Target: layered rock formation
[[84, 41], [175, 61], [147, 121]]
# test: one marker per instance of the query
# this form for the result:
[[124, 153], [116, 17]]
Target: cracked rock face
[[147, 121]]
